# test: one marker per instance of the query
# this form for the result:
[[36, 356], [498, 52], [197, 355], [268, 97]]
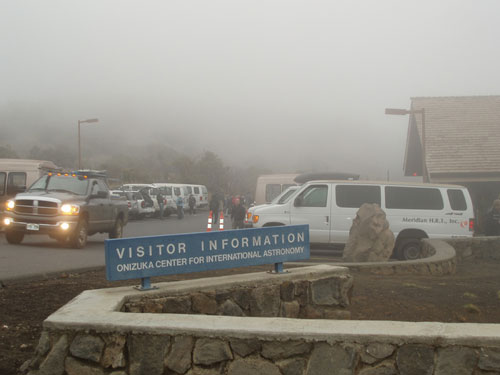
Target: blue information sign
[[143, 257]]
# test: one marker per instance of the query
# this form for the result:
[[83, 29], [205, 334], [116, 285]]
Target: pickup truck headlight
[[70, 209], [10, 204]]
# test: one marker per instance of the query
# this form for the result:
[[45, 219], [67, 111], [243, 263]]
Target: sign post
[[145, 257]]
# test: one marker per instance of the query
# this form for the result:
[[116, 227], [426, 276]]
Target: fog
[[292, 85]]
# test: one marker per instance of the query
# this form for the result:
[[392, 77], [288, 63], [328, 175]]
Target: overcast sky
[[303, 84]]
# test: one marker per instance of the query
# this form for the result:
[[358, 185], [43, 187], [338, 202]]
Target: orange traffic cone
[[221, 221], [209, 225]]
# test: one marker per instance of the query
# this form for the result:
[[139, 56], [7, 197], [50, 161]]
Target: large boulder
[[370, 239]]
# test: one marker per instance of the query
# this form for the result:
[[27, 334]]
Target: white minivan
[[414, 211]]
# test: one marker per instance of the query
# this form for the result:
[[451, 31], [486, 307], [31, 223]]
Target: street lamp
[[403, 112], [79, 142]]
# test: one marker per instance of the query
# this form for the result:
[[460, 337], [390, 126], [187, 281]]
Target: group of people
[[179, 202], [236, 208]]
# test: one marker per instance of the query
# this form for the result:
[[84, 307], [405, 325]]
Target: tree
[[8, 153]]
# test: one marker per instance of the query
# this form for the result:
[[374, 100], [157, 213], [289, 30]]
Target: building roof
[[462, 135]]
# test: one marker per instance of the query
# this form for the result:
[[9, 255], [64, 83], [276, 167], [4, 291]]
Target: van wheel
[[117, 231], [409, 249], [14, 237], [79, 237]]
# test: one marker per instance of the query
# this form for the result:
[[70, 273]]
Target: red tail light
[[143, 204], [471, 225], [129, 204]]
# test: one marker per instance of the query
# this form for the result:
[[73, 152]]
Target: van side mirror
[[298, 201]]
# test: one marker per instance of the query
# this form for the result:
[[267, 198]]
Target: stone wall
[[308, 296], [476, 247], [93, 334], [133, 353], [439, 259]]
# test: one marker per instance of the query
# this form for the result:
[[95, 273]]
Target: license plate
[[32, 227]]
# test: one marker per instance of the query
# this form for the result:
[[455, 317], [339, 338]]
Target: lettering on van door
[[432, 220]]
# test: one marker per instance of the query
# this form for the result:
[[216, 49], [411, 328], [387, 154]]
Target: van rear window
[[457, 200], [353, 196], [196, 190], [413, 198]]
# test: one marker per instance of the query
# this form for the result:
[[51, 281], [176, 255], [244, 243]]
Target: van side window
[[353, 196], [189, 189], [272, 191], [314, 196], [3, 176], [15, 181], [457, 200], [177, 191], [413, 198], [196, 190]]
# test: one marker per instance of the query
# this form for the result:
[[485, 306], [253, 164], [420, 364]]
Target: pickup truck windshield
[[68, 184]]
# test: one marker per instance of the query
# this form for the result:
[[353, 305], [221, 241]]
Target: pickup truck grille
[[36, 207]]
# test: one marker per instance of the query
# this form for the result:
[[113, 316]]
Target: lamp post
[[403, 112], [79, 141]]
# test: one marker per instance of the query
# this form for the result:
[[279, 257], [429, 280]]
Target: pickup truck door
[[312, 206], [99, 207]]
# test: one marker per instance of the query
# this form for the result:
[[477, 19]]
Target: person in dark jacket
[[214, 207], [192, 204], [238, 215], [161, 203], [492, 220]]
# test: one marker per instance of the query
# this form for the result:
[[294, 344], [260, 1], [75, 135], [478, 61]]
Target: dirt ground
[[471, 295]]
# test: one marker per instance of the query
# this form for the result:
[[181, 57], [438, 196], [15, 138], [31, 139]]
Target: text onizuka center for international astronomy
[[172, 254]]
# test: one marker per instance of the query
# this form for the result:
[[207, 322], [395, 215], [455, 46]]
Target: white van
[[200, 192], [16, 175], [269, 186], [414, 211]]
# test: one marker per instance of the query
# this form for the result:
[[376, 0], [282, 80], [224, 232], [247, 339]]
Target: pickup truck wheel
[[117, 231], [14, 237], [79, 237], [409, 249]]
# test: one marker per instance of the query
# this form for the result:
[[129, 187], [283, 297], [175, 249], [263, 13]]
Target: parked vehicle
[[167, 191], [149, 194], [18, 174], [414, 211], [68, 207], [133, 199], [200, 192], [280, 199], [269, 186]]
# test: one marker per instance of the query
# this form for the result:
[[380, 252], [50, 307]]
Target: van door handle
[[327, 219]]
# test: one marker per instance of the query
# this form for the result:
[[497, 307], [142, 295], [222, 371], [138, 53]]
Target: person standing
[[180, 207], [161, 203], [214, 207], [192, 204], [238, 215]]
